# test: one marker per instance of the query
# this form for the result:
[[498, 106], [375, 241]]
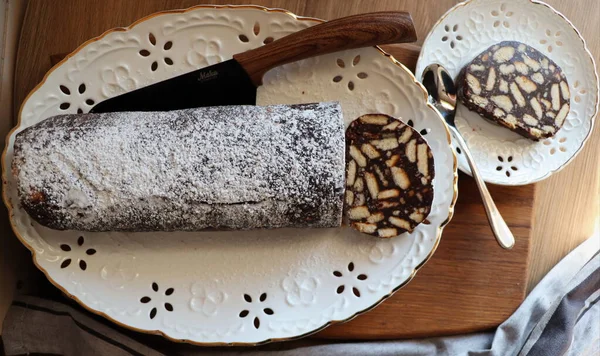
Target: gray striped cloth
[[561, 316]]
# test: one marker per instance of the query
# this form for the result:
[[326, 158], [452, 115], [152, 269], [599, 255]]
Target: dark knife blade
[[224, 83], [234, 82]]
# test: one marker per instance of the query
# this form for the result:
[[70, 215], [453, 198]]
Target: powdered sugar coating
[[233, 167]]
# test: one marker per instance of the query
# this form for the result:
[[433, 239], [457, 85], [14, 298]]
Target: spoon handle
[[501, 231]]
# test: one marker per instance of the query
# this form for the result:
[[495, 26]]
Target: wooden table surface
[[566, 205]]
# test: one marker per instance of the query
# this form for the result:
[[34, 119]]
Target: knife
[[234, 82]]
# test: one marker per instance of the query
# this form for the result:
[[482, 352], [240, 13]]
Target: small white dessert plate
[[502, 156]]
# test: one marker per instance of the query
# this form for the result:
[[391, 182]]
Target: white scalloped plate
[[240, 287], [502, 156]]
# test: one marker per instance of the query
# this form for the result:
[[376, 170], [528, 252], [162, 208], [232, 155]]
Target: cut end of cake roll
[[516, 86], [389, 176]]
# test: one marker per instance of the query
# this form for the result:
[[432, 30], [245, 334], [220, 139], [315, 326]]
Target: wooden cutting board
[[469, 284]]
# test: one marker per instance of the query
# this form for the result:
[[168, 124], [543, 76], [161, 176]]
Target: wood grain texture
[[357, 31], [452, 292]]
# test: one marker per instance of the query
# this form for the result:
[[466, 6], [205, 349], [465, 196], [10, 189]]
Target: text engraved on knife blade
[[208, 75]]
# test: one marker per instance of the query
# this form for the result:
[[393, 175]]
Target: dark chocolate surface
[[518, 87], [394, 173]]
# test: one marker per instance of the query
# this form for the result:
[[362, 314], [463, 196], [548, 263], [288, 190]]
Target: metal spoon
[[442, 95]]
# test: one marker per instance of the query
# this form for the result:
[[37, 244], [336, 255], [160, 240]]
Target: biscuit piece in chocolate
[[516, 86], [389, 176]]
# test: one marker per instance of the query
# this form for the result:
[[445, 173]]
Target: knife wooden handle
[[350, 32]]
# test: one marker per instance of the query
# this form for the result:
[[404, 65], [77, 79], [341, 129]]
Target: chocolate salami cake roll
[[229, 167], [389, 176], [518, 87]]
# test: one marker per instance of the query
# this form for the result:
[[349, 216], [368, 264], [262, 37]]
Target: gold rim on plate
[[161, 333]]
